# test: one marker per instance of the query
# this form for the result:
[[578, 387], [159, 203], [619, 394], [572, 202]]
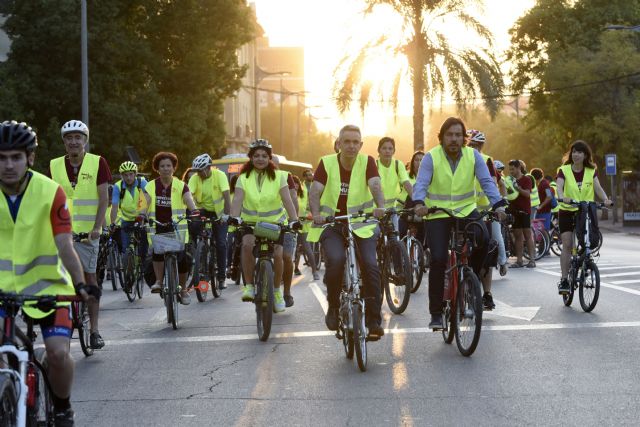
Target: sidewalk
[[607, 225]]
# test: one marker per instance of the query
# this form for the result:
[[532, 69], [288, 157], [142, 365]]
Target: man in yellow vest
[[348, 182], [446, 179], [37, 255], [210, 190], [85, 178]]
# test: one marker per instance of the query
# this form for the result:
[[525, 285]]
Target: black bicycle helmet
[[17, 136]]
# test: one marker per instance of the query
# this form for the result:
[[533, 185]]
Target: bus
[[232, 163]]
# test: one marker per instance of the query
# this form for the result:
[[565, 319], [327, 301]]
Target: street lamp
[[258, 75], [84, 64]]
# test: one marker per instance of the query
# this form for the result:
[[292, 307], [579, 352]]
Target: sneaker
[[95, 341], [297, 272], [563, 287], [436, 322], [185, 298], [517, 264], [331, 319], [278, 303], [222, 284], [288, 301], [316, 276], [248, 293], [375, 330], [156, 288], [503, 269], [487, 301], [531, 264], [64, 418]]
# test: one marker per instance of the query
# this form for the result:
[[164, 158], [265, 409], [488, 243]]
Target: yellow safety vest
[[303, 207], [83, 199], [512, 193], [535, 197], [130, 206], [29, 261], [403, 193], [455, 191], [482, 200], [358, 199], [208, 193], [553, 185], [584, 193], [263, 203], [178, 207], [392, 179]]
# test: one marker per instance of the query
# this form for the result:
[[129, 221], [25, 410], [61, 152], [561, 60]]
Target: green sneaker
[[278, 303], [248, 292]]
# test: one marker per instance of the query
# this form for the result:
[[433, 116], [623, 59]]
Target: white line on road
[[322, 299], [624, 282], [619, 267], [604, 285], [628, 273]]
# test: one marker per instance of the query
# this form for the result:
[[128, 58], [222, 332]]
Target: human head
[[579, 151], [476, 139], [18, 143], [523, 167], [515, 168], [260, 144], [307, 175], [128, 172], [414, 164], [75, 136], [548, 178], [498, 165], [298, 185], [202, 165], [336, 146], [452, 136], [165, 163], [350, 141], [536, 173], [386, 147]]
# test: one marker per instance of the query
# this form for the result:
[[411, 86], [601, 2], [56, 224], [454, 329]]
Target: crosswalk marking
[[628, 273], [625, 282]]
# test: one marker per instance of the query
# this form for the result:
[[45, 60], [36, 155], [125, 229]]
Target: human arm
[[547, 200], [236, 204], [227, 202], [485, 179], [403, 178], [289, 206], [600, 192], [69, 257], [314, 201], [375, 186], [423, 179], [103, 203], [560, 189], [187, 198]]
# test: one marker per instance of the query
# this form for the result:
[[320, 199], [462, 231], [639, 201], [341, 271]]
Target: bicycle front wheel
[[589, 286], [200, 269], [359, 335], [139, 276], [555, 242], [396, 276], [264, 299], [83, 325], [417, 260], [540, 245], [8, 401], [468, 312], [130, 276], [171, 290], [112, 267], [42, 413], [572, 277]]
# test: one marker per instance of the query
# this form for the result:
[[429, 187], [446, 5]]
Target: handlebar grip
[[330, 219]]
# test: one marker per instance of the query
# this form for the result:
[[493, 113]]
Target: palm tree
[[436, 68]]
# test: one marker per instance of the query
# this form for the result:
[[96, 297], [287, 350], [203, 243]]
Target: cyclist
[[262, 194], [170, 198], [446, 179], [210, 189], [535, 196], [85, 179], [37, 255], [307, 177], [345, 183], [129, 201], [520, 186], [393, 174], [413, 166], [477, 140], [303, 212], [546, 196], [577, 180]]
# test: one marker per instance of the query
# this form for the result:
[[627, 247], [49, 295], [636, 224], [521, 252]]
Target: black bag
[[588, 210], [149, 274]]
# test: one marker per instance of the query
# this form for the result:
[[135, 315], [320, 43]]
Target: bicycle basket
[[168, 242], [267, 231]]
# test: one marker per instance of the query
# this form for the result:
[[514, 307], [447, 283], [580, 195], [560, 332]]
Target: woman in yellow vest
[[304, 212], [577, 180], [262, 195], [412, 167], [170, 198]]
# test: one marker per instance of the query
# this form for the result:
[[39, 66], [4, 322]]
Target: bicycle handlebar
[[42, 302], [599, 205]]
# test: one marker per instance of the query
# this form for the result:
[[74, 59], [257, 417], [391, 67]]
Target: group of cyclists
[[43, 215]]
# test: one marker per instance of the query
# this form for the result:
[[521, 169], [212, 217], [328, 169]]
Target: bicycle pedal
[[372, 338]]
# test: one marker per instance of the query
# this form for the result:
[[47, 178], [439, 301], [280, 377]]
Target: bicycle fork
[[23, 360]]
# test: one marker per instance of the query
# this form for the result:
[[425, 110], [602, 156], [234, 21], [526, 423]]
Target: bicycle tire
[[8, 401], [112, 266], [567, 299], [468, 313], [540, 243], [83, 325], [347, 336], [129, 273], [264, 299], [317, 254], [449, 323], [359, 335], [417, 258], [139, 276], [213, 272], [101, 266], [200, 261], [396, 277], [43, 412], [555, 242], [596, 251], [174, 289], [589, 286]]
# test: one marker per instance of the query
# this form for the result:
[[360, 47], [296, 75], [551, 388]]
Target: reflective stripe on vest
[[262, 203], [359, 197], [584, 193], [129, 206], [210, 190], [29, 261], [83, 199], [535, 197], [178, 207], [455, 191], [481, 198], [390, 182]]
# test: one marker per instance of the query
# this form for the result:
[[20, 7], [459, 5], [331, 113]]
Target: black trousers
[[438, 231]]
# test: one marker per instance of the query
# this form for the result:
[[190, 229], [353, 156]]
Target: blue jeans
[[220, 236], [126, 228]]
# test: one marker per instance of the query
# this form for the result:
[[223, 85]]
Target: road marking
[[613, 267], [505, 310], [324, 333], [623, 282], [628, 273], [320, 296], [604, 285]]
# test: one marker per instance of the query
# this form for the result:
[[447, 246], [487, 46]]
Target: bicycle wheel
[[139, 276], [359, 334], [83, 325], [555, 242], [42, 412], [540, 244], [112, 266], [449, 324], [596, 251], [589, 286], [129, 270], [169, 291], [317, 254], [200, 269], [213, 272], [8, 401], [347, 333], [264, 298], [572, 277], [396, 277], [468, 313], [101, 266], [417, 260]]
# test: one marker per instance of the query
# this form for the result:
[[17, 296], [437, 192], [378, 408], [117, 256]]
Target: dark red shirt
[[522, 203], [60, 218], [543, 186], [163, 201], [345, 179], [104, 173]]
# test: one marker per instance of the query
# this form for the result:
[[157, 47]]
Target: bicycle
[[419, 257], [109, 259], [462, 301], [204, 260], [394, 262], [80, 314], [352, 328], [556, 240], [25, 392], [234, 269], [583, 271], [133, 260], [266, 235], [170, 245], [540, 237]]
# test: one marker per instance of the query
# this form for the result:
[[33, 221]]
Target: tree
[[435, 67]]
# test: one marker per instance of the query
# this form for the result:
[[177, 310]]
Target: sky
[[330, 29]]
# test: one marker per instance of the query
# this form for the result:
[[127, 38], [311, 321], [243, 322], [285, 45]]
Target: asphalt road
[[538, 362]]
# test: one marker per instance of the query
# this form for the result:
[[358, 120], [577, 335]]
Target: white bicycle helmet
[[476, 136], [202, 161], [498, 165], [75, 126]]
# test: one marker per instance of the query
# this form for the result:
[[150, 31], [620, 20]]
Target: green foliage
[[159, 72]]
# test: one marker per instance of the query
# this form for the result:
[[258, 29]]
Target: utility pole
[[85, 64]]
